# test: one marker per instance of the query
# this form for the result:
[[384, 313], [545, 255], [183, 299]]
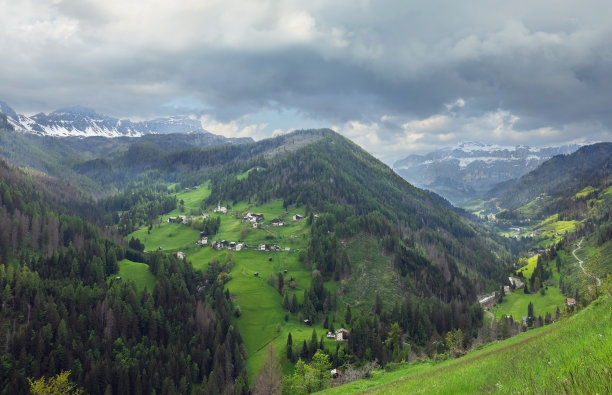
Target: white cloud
[[234, 128]]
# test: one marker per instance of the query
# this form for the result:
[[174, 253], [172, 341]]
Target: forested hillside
[[397, 266], [59, 312], [561, 175]]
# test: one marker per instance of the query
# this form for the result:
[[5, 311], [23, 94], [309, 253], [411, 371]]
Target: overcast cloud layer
[[397, 77]]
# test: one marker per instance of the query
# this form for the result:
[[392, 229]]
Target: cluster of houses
[[230, 245], [181, 219], [191, 189]]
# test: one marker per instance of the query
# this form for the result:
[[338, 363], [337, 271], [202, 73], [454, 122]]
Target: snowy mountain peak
[[81, 121], [7, 110]]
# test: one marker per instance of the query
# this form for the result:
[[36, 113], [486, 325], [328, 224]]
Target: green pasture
[[192, 199], [137, 272], [570, 356], [515, 304], [167, 236], [529, 267]]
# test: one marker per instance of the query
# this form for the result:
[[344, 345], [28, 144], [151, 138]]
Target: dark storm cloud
[[384, 73]]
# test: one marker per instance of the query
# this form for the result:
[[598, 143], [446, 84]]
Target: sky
[[395, 76]]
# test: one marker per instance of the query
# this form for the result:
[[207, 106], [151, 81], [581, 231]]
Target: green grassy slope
[[137, 272], [570, 356], [516, 304]]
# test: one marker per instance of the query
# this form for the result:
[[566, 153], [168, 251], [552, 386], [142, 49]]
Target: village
[[257, 221]]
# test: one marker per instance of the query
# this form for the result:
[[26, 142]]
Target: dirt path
[[580, 262]]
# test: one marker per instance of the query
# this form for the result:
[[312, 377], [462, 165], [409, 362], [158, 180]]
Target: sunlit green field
[[516, 304], [137, 272], [263, 316], [528, 269]]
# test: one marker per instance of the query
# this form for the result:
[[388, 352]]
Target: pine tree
[[289, 347]]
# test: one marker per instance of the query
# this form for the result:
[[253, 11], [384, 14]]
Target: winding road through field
[[580, 262]]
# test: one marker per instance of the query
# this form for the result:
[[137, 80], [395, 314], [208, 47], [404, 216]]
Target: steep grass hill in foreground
[[569, 356]]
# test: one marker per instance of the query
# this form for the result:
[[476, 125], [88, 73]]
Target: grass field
[[529, 267], [516, 304], [263, 316], [538, 361], [137, 272]]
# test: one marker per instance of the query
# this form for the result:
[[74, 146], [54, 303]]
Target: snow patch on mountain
[[78, 121], [470, 169]]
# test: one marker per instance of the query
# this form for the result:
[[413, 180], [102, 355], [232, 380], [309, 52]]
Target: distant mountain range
[[470, 169], [80, 121]]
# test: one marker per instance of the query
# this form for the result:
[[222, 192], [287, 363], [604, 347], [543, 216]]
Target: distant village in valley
[[257, 221]]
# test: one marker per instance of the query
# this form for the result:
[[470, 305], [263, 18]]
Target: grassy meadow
[[515, 304], [138, 273], [263, 317]]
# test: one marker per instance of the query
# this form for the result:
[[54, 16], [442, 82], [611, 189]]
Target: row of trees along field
[[59, 313]]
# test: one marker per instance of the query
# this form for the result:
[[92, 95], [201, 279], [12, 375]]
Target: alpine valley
[[469, 170], [155, 257]]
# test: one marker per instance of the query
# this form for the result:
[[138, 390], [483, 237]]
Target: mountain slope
[[470, 169], [334, 171], [63, 308], [562, 175]]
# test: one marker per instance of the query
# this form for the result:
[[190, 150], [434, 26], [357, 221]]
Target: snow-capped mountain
[[79, 121], [470, 169]]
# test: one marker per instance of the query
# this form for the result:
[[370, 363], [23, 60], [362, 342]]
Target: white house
[[342, 335], [220, 209]]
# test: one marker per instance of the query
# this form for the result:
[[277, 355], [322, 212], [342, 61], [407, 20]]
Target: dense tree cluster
[[58, 311], [134, 208]]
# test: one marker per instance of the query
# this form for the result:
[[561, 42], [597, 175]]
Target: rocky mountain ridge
[[80, 121], [470, 169]]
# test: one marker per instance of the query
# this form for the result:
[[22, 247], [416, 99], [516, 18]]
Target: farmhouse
[[171, 220], [239, 246], [570, 302], [205, 215], [252, 217], [203, 241], [330, 335], [307, 322], [217, 245], [180, 255], [277, 222], [335, 373], [342, 335], [297, 217]]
